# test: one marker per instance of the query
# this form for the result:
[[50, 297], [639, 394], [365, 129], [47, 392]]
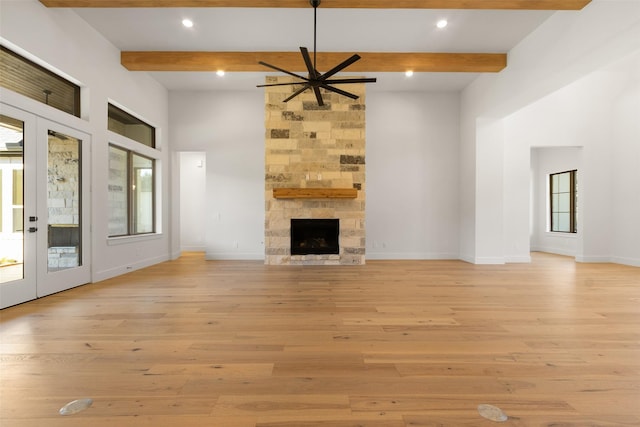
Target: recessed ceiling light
[[187, 23], [408, 73], [442, 23], [220, 73]]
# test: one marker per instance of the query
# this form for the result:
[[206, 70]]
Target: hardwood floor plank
[[387, 344], [448, 403], [471, 420], [287, 405], [352, 421]]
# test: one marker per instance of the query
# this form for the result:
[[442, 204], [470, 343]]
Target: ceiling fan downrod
[[315, 4]]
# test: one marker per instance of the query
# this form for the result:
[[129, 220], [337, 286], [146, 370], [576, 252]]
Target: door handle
[[33, 229]]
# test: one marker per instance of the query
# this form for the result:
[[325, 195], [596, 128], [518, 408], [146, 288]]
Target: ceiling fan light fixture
[[187, 23], [442, 23], [315, 80]]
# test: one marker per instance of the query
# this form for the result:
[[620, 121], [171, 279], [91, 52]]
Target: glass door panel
[[44, 237], [11, 199], [142, 195], [64, 199], [63, 203]]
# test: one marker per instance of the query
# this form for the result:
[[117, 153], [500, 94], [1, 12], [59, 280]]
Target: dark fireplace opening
[[314, 236]]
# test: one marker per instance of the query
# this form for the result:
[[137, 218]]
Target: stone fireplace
[[315, 169]]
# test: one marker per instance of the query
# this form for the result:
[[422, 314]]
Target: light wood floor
[[389, 344]]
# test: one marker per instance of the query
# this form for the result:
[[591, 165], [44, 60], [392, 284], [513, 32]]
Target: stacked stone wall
[[311, 146]]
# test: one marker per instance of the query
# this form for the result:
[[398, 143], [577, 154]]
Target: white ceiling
[[339, 30]]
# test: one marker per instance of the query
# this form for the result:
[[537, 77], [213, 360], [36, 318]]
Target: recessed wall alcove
[[315, 160]]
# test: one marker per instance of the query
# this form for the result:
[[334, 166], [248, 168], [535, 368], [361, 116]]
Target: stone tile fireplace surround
[[315, 148]]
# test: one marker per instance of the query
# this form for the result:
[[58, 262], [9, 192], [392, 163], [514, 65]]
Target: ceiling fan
[[315, 79]]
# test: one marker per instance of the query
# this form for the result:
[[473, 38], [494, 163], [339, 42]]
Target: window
[[131, 127], [33, 81], [131, 193], [564, 201]]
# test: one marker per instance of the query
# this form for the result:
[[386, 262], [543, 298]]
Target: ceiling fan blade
[[340, 91], [296, 93], [339, 67], [313, 73], [281, 84], [283, 71], [316, 90], [347, 81]]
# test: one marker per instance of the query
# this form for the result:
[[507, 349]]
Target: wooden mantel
[[315, 193]]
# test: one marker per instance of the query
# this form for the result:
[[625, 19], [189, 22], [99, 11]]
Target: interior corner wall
[[467, 185], [489, 200], [517, 203], [625, 132], [564, 49], [60, 39], [229, 127], [599, 114]]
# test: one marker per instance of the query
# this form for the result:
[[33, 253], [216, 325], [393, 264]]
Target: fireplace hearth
[[315, 236]]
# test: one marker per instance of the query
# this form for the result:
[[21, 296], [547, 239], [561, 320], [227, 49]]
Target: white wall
[[229, 127], [59, 38], [625, 194], [193, 200], [412, 157], [412, 171], [599, 113], [563, 50]]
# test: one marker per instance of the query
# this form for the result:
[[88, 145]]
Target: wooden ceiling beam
[[345, 4], [292, 61]]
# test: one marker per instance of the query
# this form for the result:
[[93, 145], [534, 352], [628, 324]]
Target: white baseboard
[[467, 258], [626, 261], [550, 250], [234, 256], [593, 258], [124, 269], [483, 260], [409, 256], [193, 249], [518, 259], [489, 260]]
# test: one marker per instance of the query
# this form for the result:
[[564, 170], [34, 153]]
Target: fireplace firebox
[[315, 236]]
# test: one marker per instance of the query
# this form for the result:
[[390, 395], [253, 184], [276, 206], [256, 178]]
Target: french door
[[45, 200]]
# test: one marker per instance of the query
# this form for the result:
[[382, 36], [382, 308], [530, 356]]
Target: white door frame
[[21, 290], [38, 119]]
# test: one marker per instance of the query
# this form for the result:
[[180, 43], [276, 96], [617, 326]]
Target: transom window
[[131, 127], [564, 201], [33, 81]]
